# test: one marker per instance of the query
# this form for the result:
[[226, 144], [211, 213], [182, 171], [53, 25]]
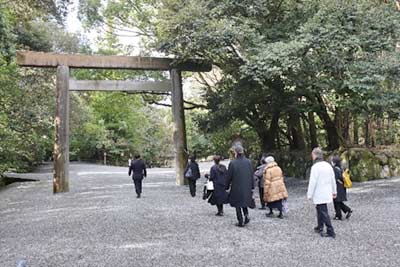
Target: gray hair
[[238, 148], [269, 160], [318, 153]]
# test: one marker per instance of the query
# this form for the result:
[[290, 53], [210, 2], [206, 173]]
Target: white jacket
[[322, 184]]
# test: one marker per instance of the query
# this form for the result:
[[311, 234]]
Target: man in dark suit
[[138, 168], [240, 181]]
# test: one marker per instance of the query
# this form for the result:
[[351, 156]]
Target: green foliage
[[277, 58], [26, 125]]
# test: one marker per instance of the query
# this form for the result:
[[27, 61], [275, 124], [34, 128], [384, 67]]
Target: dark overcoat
[[341, 190], [138, 169], [218, 177], [240, 180]]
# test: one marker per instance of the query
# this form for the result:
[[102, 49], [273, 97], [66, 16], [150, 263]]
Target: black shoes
[[219, 214], [138, 196], [328, 235], [322, 234], [262, 208], [271, 214], [241, 224], [348, 214], [317, 230]]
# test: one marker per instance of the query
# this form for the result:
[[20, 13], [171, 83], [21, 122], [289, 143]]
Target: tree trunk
[[306, 133], [312, 129], [342, 125], [366, 132], [373, 132], [295, 130], [329, 125], [268, 135], [356, 136]]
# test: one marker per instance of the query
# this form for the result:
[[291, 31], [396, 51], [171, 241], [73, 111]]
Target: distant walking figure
[[322, 190], [341, 191], [240, 181], [259, 177], [138, 170], [218, 174], [274, 187], [192, 173]]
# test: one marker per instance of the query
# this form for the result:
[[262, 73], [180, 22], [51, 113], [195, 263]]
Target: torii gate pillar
[[61, 122], [178, 112]]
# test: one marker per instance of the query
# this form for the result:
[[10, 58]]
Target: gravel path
[[101, 223]]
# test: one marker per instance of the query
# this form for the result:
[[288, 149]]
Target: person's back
[[322, 183], [192, 173], [275, 188], [138, 167], [218, 174], [322, 190], [240, 181], [195, 170]]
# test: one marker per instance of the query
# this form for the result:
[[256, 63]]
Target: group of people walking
[[325, 186], [235, 185]]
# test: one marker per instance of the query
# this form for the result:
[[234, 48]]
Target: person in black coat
[[192, 173], [341, 191], [218, 177], [240, 181], [138, 170]]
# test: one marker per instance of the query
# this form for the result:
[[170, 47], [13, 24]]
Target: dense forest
[[288, 75]]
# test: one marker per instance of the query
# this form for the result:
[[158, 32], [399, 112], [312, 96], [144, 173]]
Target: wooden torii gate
[[64, 85]]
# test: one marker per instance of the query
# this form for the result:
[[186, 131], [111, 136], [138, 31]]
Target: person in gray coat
[[259, 177], [240, 181]]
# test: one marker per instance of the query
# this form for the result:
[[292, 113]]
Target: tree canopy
[[288, 75]]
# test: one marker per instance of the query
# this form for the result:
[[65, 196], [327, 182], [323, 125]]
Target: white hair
[[318, 153], [269, 160]]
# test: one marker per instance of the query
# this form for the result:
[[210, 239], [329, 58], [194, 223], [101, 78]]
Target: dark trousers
[[339, 207], [138, 186], [324, 219], [261, 191], [220, 208], [239, 214], [192, 187]]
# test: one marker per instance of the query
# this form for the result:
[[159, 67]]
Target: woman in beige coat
[[274, 187]]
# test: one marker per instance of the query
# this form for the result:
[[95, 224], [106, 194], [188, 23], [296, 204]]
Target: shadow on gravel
[[7, 180]]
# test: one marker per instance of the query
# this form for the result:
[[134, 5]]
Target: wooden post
[[179, 126], [61, 144]]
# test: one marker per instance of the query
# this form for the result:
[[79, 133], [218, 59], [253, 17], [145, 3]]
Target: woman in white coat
[[322, 190]]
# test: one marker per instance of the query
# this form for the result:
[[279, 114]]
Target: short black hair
[[193, 158], [217, 159], [137, 156], [337, 161]]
